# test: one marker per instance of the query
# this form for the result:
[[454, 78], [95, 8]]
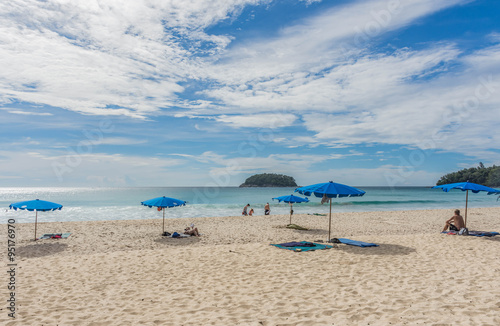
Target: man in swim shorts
[[455, 223]]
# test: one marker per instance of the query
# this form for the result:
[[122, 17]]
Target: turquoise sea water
[[96, 204]]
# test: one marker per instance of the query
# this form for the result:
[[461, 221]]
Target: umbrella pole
[[466, 201], [291, 213], [36, 220], [163, 209], [330, 221]]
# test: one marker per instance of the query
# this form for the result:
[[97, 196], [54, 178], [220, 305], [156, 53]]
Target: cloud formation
[[106, 58], [331, 80]]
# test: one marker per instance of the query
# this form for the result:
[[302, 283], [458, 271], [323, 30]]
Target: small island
[[269, 180]]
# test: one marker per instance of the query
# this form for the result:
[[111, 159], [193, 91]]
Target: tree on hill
[[269, 180], [481, 175]]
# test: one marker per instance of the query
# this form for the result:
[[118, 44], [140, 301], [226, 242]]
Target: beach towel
[[301, 246], [296, 227], [176, 235], [483, 233], [474, 233], [297, 244], [55, 236], [357, 243]]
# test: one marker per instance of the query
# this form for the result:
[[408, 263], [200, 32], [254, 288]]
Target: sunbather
[[192, 231], [454, 223]]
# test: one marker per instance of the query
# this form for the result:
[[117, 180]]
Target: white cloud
[[386, 175], [309, 2], [448, 112], [106, 58], [133, 59], [347, 95], [308, 48], [119, 141], [239, 166], [232, 171], [9, 177], [110, 58], [52, 168], [29, 113], [258, 121]]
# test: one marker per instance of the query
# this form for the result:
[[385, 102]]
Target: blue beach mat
[[475, 233], [55, 236], [302, 245], [357, 243]]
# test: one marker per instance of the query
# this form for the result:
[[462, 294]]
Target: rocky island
[[269, 180]]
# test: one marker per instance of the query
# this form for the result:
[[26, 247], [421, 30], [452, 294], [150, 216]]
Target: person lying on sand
[[454, 223], [192, 231]]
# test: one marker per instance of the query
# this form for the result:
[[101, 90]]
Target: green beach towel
[[296, 227]]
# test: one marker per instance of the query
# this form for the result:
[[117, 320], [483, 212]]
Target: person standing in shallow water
[[455, 223], [267, 209], [245, 210]]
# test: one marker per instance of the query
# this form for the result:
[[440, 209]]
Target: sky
[[107, 93]]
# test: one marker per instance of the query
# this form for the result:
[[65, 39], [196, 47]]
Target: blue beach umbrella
[[291, 200], [162, 203], [36, 205], [327, 191], [466, 186]]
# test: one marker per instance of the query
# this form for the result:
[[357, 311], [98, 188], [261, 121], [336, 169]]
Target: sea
[[100, 204]]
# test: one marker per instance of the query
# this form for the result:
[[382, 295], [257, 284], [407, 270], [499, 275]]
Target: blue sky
[[207, 93]]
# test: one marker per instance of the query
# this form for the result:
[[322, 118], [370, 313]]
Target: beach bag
[[463, 231], [175, 235]]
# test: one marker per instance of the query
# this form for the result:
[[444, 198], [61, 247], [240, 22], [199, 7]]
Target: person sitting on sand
[[245, 210], [192, 231], [251, 212], [454, 223]]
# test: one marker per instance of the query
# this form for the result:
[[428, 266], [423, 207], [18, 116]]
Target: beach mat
[[181, 235], [296, 227], [357, 243], [55, 236], [474, 233], [301, 246]]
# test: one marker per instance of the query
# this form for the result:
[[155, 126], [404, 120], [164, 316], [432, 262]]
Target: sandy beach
[[125, 273]]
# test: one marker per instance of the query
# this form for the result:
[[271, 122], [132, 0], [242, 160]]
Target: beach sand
[[125, 273]]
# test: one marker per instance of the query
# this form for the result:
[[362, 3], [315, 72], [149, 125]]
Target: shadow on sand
[[36, 250], [381, 250], [495, 238], [177, 241]]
